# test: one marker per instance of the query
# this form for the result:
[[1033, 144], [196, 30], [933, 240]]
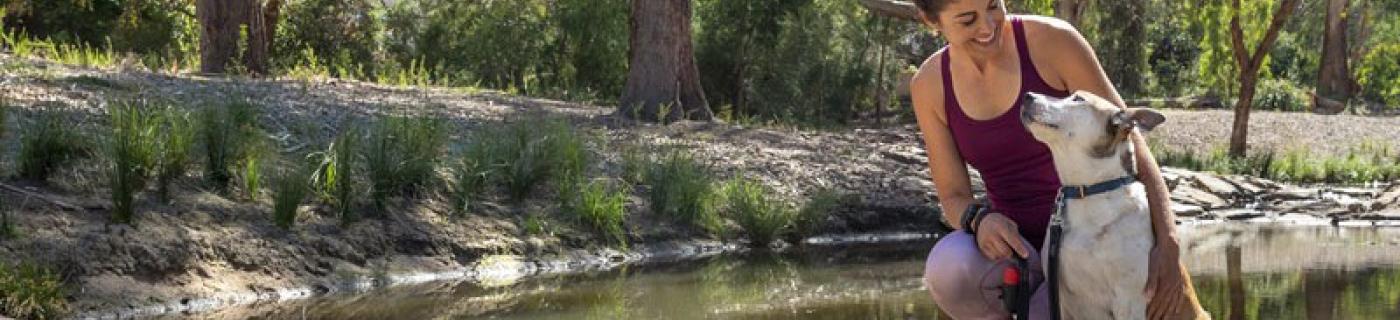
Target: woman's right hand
[[998, 238]]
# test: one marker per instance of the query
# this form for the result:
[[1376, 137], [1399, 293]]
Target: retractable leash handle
[[1015, 289]]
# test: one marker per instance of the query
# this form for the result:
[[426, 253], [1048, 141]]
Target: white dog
[[1107, 235]]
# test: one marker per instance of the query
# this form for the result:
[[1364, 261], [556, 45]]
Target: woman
[[966, 98]]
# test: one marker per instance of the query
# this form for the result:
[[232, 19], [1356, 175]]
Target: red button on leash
[[1010, 276]]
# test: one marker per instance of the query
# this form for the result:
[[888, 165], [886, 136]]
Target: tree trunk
[[1234, 282], [222, 21], [663, 82], [1070, 10], [1248, 65], [1333, 77]]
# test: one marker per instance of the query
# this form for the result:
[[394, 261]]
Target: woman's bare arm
[[945, 165]]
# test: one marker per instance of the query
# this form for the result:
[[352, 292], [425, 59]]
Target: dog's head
[[1084, 122]]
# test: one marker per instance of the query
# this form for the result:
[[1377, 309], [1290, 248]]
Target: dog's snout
[[1028, 97]]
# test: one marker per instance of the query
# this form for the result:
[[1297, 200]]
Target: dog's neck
[[1077, 166]]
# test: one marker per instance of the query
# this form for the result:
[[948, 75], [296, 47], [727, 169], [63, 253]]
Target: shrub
[[48, 143], [334, 179], [251, 165], [400, 155], [600, 208], [132, 149], [30, 292], [470, 179], [224, 131], [289, 189], [761, 218], [683, 190]]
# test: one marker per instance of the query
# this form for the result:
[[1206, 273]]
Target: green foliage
[[470, 179], [1368, 161], [600, 208], [683, 190], [1119, 44], [762, 219], [48, 142], [133, 149], [1379, 74], [225, 132], [334, 178], [400, 155], [28, 291], [250, 168], [330, 33], [289, 188]]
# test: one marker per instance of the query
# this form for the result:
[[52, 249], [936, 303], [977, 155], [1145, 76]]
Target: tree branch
[[1280, 16], [1240, 52], [893, 8]]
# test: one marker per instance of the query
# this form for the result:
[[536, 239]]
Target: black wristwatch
[[971, 216]]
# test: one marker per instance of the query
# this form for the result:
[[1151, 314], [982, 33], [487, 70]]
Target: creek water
[[1240, 272]]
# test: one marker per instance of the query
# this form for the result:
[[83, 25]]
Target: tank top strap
[[1024, 54]]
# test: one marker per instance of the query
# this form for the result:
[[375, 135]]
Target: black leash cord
[[1054, 271]]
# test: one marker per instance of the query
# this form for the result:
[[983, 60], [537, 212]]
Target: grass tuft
[[683, 190], [224, 131], [334, 178], [813, 213], [173, 157], [132, 150], [401, 154], [600, 208], [289, 188], [762, 219], [48, 143], [30, 292], [525, 154]]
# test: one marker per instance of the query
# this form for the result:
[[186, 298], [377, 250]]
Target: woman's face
[[974, 25]]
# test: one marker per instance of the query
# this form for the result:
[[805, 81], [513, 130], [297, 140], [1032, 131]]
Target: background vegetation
[[807, 62]]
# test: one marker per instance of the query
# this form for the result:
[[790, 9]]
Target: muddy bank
[[204, 249]]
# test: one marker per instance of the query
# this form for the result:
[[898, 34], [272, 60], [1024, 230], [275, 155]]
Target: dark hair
[[931, 8]]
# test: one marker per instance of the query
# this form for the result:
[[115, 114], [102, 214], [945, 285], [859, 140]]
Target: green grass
[[48, 142], [173, 155], [250, 168], [762, 219], [1368, 161], [470, 180], [334, 178], [600, 208], [30, 292], [289, 189], [132, 150], [683, 190], [224, 132], [634, 160], [527, 153], [401, 154]]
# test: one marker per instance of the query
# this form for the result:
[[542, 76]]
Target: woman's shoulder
[[927, 83], [1046, 30], [930, 74]]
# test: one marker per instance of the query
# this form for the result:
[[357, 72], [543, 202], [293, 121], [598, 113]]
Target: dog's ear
[[1142, 118]]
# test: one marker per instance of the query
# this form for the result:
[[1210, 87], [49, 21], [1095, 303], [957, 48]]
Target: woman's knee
[[955, 274]]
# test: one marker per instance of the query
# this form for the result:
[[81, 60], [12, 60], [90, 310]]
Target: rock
[[1215, 185], [1292, 193], [1391, 214], [904, 157], [1186, 210], [1352, 192], [1239, 214], [1198, 197], [1390, 198], [1247, 187]]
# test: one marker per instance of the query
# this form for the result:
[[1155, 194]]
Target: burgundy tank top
[[1017, 169]]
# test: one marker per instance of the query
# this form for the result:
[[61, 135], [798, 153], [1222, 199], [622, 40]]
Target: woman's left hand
[[1165, 283]]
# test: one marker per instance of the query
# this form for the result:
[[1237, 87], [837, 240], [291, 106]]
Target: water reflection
[[1252, 274]]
